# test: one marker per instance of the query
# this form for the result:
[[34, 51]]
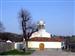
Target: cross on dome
[[41, 22]]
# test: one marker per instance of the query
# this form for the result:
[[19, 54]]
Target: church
[[42, 39]]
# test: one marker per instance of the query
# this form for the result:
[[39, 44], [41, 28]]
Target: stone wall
[[4, 46]]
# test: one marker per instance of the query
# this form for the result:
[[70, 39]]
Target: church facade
[[42, 39]]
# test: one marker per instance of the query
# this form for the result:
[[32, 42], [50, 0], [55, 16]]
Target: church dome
[[41, 31]]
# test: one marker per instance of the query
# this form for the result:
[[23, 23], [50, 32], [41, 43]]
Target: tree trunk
[[26, 48], [24, 45]]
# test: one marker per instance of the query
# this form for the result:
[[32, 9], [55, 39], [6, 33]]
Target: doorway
[[41, 46]]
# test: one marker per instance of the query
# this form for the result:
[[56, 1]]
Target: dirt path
[[52, 52]]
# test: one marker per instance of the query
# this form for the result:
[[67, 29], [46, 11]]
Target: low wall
[[4, 46], [18, 45]]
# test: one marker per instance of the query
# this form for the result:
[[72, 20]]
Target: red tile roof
[[57, 39]]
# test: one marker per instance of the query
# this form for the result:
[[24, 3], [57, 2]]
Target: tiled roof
[[57, 39]]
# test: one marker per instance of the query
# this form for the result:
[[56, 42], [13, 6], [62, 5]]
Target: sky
[[57, 14]]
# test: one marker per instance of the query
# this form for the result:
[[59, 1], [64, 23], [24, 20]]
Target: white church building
[[42, 39]]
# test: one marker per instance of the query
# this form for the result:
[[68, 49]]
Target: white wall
[[34, 44], [18, 45]]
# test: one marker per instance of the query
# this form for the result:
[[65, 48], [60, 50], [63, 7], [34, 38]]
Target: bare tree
[[27, 27]]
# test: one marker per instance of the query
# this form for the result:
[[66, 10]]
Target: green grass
[[17, 52]]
